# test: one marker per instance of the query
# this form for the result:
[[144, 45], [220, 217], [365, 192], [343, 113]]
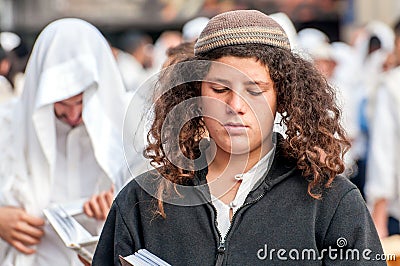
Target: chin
[[75, 124], [237, 148], [240, 151]]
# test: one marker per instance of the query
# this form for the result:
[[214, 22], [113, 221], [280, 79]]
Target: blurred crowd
[[365, 71]]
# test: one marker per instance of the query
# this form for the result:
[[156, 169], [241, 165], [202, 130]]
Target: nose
[[74, 113], [236, 103]]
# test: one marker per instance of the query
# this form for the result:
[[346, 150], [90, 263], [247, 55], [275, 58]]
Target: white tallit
[[70, 56], [383, 168]]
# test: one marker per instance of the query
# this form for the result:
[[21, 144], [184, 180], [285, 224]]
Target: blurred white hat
[[192, 29], [314, 43], [284, 21], [322, 51], [384, 32], [9, 40], [342, 52], [310, 37]]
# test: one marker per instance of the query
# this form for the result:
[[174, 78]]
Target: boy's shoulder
[[340, 191], [140, 188], [342, 185]]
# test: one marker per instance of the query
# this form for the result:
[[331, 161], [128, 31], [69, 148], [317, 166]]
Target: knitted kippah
[[241, 27]]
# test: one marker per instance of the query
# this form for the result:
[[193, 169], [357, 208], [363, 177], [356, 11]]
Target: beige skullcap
[[241, 27]]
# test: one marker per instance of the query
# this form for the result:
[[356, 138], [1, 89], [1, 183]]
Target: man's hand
[[99, 204], [380, 217], [20, 229]]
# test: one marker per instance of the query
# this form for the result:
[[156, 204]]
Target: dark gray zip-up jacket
[[278, 224]]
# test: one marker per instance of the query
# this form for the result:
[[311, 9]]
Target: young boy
[[229, 191]]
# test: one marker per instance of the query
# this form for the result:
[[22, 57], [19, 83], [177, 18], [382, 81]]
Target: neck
[[226, 165]]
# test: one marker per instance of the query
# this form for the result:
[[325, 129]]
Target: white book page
[[75, 207], [133, 260], [143, 257], [153, 258], [70, 231]]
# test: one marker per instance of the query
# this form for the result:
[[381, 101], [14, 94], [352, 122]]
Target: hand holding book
[[99, 205], [71, 232]]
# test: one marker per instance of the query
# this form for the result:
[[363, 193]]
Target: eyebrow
[[219, 80], [249, 82], [257, 82]]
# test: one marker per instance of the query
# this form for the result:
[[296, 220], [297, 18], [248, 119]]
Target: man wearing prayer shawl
[[67, 144]]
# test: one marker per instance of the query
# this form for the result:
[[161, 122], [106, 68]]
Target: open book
[[142, 257], [71, 232]]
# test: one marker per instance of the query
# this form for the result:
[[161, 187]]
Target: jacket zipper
[[220, 252], [220, 241], [221, 245]]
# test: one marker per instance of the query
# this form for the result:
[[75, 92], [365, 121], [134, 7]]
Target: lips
[[232, 124], [235, 128], [74, 123]]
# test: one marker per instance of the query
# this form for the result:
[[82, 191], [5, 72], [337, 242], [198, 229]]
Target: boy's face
[[70, 110], [239, 104]]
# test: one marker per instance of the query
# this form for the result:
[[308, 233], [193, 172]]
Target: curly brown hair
[[307, 103]]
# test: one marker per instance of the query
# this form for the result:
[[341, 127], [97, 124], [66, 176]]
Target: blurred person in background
[[383, 167], [364, 63], [191, 30], [139, 45], [134, 58], [6, 89], [333, 61], [316, 45], [166, 40], [181, 52], [67, 143], [17, 53], [347, 75]]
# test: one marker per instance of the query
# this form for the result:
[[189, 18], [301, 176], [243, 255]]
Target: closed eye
[[219, 89], [254, 93]]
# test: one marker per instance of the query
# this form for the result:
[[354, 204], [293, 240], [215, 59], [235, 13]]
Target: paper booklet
[[142, 257], [71, 232]]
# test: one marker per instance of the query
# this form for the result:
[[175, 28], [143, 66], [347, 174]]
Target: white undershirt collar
[[249, 180]]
